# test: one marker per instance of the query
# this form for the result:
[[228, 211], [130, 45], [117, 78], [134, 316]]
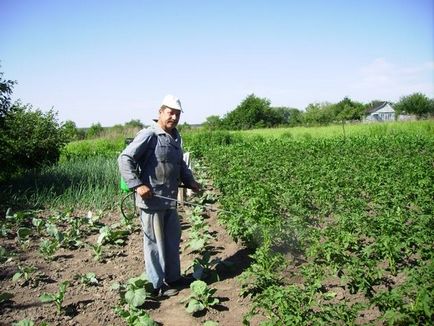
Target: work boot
[[164, 291]]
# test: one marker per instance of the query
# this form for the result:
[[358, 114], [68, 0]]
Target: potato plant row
[[342, 226]]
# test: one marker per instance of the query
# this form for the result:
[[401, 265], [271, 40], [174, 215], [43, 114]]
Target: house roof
[[376, 108]]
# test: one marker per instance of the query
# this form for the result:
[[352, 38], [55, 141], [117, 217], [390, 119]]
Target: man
[[152, 164]]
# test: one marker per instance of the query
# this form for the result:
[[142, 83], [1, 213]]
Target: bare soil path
[[93, 305]]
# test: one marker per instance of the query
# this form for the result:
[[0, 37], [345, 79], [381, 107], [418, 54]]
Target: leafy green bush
[[252, 112], [84, 149], [29, 139]]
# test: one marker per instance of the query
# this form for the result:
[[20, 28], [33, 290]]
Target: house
[[381, 112]]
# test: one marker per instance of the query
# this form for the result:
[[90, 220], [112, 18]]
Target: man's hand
[[195, 186], [144, 191]]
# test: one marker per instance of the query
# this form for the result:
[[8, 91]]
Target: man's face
[[168, 118]]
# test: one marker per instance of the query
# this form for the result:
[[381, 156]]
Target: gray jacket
[[155, 159]]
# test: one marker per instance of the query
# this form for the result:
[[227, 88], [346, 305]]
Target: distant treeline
[[255, 112]]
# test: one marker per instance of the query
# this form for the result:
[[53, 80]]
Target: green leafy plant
[[57, 297], [48, 248], [39, 224], [24, 322], [28, 274], [210, 323], [93, 220], [204, 267], [6, 255], [264, 272], [87, 279], [28, 322], [201, 297], [23, 234], [135, 291], [198, 240], [97, 251], [55, 233], [110, 235], [134, 316]]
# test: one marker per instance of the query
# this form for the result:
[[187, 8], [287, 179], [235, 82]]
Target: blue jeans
[[161, 239]]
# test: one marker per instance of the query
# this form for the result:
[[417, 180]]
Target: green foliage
[[48, 248], [417, 103], [356, 210], [23, 234], [112, 235], [24, 322], [84, 149], [133, 295], [92, 183], [134, 316], [318, 113], [252, 112], [94, 131], [27, 273], [264, 272], [97, 251], [201, 297], [6, 255], [213, 122], [87, 279], [288, 116], [56, 297], [348, 110], [28, 322], [204, 267], [70, 130], [29, 139], [135, 291], [210, 323], [6, 88], [199, 143], [134, 123]]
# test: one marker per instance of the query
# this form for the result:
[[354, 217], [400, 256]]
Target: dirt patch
[[93, 305]]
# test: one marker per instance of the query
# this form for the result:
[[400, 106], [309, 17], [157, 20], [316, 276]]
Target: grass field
[[347, 129]]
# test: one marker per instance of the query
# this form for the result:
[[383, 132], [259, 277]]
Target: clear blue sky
[[113, 61]]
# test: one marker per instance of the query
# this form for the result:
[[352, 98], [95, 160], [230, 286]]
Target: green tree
[[95, 130], [213, 122], [183, 127], [288, 116], [348, 110], [319, 113], [6, 88], [134, 123], [29, 138], [70, 130], [252, 112], [417, 103]]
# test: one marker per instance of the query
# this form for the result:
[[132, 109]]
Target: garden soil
[[93, 305]]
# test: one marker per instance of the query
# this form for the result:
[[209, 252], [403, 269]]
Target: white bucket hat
[[172, 102]]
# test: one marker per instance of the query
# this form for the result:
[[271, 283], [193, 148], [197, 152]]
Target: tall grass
[[91, 183], [83, 149]]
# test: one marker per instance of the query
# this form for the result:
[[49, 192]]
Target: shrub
[[29, 139]]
